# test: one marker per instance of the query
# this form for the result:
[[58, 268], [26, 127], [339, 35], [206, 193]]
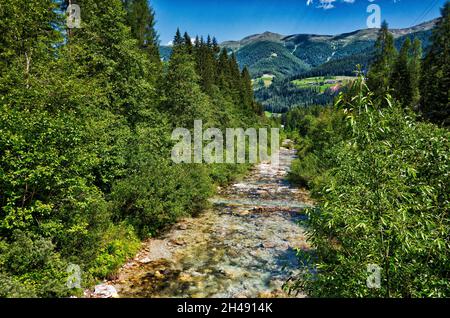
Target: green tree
[[381, 182], [184, 99], [401, 78], [188, 43], [178, 39], [435, 83], [247, 98], [141, 19], [415, 67], [381, 68]]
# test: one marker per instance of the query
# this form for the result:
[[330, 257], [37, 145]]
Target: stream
[[244, 246]]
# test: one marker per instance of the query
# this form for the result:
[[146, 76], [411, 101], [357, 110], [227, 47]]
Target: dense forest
[[377, 163], [283, 95], [85, 136]]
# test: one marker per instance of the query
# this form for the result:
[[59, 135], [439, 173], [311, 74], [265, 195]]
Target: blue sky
[[235, 19]]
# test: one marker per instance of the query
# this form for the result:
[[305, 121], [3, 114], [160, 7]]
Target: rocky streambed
[[245, 246]]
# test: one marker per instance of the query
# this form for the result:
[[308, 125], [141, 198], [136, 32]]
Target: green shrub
[[383, 199], [31, 268], [119, 243]]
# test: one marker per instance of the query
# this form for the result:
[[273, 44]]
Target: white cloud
[[327, 4]]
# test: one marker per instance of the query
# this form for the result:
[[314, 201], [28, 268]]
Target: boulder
[[105, 291]]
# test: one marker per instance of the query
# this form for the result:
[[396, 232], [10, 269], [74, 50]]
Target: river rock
[[105, 291], [156, 250], [177, 241], [184, 277], [182, 226], [268, 244]]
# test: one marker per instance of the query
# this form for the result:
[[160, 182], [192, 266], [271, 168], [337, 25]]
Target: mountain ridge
[[428, 25], [286, 55]]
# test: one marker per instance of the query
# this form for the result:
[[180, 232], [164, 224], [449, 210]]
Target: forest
[[87, 181], [377, 163], [323, 61], [85, 123]]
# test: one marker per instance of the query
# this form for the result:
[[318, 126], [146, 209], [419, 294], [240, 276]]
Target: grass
[[270, 115], [266, 78], [322, 82]]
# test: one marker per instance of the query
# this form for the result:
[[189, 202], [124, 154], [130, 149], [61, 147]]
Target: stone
[[185, 278], [145, 260], [177, 241], [159, 275], [268, 245], [105, 291], [156, 250], [182, 226]]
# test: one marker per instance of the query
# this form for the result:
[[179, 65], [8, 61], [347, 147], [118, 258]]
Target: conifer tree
[[141, 19], [435, 80], [215, 45], [415, 67], [27, 42], [380, 71], [223, 70], [184, 99], [235, 78], [247, 90], [178, 39], [401, 77], [187, 42]]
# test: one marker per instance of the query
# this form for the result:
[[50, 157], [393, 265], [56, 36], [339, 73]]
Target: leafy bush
[[31, 267], [384, 201], [120, 243]]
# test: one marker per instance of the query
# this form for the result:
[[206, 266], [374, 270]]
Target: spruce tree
[[235, 78], [178, 39], [435, 80], [141, 19], [380, 71], [401, 77], [223, 70], [247, 89], [184, 99], [415, 71], [188, 42], [215, 45]]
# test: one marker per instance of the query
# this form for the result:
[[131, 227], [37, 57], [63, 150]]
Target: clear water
[[245, 246]]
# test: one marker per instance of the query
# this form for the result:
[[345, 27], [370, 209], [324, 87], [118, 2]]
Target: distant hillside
[[164, 52], [266, 36], [284, 56], [303, 55], [312, 56], [270, 57]]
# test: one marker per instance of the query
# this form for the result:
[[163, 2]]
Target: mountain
[[264, 37], [280, 55], [312, 54]]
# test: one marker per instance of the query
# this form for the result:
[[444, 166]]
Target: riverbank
[[245, 246]]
